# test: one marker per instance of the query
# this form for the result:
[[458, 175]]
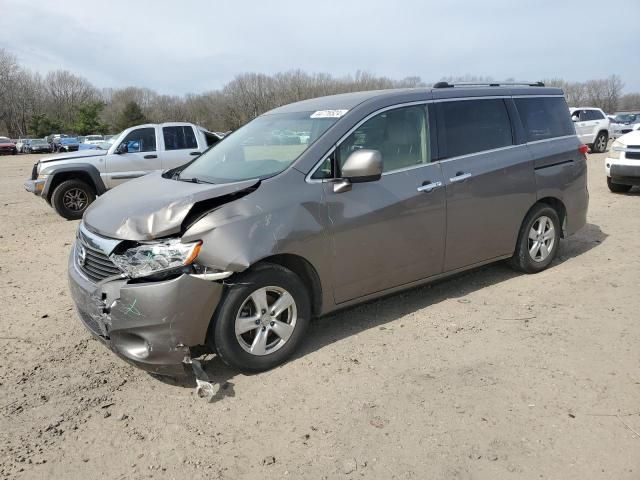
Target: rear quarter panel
[[561, 173]]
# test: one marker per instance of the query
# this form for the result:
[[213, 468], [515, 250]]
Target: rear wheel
[[600, 143], [262, 318], [617, 187], [538, 240], [71, 198]]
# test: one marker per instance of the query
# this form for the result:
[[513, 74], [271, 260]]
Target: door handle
[[195, 153], [429, 187], [460, 177], [151, 156]]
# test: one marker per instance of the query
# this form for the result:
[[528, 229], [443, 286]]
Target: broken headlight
[[149, 258]]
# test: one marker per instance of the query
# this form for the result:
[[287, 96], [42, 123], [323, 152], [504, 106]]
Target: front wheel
[[71, 198], [262, 318], [538, 240], [617, 187]]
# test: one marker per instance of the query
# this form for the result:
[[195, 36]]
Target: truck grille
[[94, 263], [632, 155]]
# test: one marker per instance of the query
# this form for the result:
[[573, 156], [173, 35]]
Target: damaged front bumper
[[152, 325]]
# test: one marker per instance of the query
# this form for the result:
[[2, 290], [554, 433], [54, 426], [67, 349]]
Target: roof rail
[[487, 84]]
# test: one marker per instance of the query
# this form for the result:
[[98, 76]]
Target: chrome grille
[[94, 263]]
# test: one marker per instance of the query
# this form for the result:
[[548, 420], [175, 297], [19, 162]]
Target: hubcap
[[266, 320], [75, 199], [542, 237], [601, 143]]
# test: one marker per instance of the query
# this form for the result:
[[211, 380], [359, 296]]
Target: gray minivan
[[323, 204]]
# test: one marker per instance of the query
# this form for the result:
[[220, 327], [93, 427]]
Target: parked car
[[622, 164], [66, 144], [7, 146], [237, 250], [592, 127], [71, 182], [38, 145], [625, 123], [21, 145], [93, 139]]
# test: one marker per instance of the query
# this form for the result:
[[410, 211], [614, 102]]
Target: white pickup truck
[[70, 182]]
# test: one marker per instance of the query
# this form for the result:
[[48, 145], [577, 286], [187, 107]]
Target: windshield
[[38, 142], [625, 118], [68, 140], [262, 148], [93, 137], [5, 140]]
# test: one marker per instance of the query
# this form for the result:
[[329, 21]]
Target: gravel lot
[[490, 375]]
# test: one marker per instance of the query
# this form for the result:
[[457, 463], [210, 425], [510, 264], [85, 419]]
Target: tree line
[[35, 105]]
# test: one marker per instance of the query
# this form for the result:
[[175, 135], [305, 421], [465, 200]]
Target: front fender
[[54, 171]]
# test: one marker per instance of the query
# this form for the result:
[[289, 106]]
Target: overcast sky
[[182, 46]]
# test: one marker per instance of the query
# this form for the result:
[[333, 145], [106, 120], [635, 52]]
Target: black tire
[[600, 143], [617, 187], [237, 297], [522, 259], [63, 197]]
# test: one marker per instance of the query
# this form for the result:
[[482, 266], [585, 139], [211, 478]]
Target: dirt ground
[[490, 375]]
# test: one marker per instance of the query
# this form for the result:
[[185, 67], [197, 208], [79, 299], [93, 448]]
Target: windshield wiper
[[191, 180]]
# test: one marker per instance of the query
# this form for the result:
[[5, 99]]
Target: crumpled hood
[[151, 206], [72, 155]]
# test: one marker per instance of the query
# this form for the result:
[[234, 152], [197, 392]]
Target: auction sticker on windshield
[[328, 113]]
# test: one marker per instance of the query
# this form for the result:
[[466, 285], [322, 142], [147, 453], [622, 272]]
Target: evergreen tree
[[131, 115]]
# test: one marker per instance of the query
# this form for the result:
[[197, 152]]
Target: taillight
[[583, 149]]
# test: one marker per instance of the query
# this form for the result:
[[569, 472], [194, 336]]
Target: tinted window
[[179, 138], [141, 140], [544, 117], [470, 126], [400, 135], [596, 114]]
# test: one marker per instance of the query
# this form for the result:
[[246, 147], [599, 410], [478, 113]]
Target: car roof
[[347, 101]]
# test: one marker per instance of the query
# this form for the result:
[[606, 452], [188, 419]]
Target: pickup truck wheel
[[71, 198], [262, 318], [600, 143], [617, 187], [538, 240]]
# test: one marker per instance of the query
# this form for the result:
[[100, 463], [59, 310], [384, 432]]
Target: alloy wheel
[[266, 320], [75, 199], [601, 143], [542, 238]]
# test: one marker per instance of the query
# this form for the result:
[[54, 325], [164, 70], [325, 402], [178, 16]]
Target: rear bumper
[[151, 325]]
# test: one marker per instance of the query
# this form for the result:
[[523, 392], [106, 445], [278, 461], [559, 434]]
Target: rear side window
[[594, 115], [471, 126], [544, 117], [179, 138]]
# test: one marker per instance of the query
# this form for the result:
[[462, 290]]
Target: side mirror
[[122, 148], [361, 166]]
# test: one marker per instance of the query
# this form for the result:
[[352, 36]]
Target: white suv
[[592, 127]]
